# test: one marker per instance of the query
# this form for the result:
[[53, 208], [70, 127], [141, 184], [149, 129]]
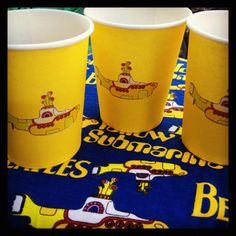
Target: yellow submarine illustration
[[50, 120], [88, 121], [97, 212], [125, 87], [144, 171], [217, 112], [178, 87], [172, 109]]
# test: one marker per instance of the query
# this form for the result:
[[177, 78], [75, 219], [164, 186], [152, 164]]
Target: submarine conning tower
[[107, 189], [124, 76], [47, 101]]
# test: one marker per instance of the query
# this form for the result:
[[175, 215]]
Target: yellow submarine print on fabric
[[144, 171], [172, 109], [50, 120], [125, 87], [216, 112], [97, 212], [178, 87], [86, 121]]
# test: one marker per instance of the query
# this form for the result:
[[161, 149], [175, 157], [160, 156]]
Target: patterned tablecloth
[[123, 180]]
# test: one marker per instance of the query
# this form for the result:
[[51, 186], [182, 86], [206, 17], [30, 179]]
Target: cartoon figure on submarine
[[50, 120], [125, 87], [97, 212], [217, 112], [144, 171]]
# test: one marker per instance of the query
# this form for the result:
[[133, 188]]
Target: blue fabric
[[170, 199]]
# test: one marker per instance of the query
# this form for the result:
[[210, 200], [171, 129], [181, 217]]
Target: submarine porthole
[[124, 80], [95, 207], [47, 114]]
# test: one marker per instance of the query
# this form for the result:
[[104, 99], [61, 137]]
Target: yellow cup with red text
[[135, 52], [205, 119], [47, 59]]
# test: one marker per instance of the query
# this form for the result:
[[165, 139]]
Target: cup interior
[[211, 24], [138, 17], [38, 26]]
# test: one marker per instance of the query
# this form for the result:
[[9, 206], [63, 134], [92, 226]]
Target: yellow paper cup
[[47, 58], [135, 52], [205, 120]]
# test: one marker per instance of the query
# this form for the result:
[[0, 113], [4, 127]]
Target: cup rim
[[87, 12], [192, 26], [56, 43]]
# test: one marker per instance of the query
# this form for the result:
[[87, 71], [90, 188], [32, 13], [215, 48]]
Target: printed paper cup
[[47, 58], [205, 119], [135, 52]]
